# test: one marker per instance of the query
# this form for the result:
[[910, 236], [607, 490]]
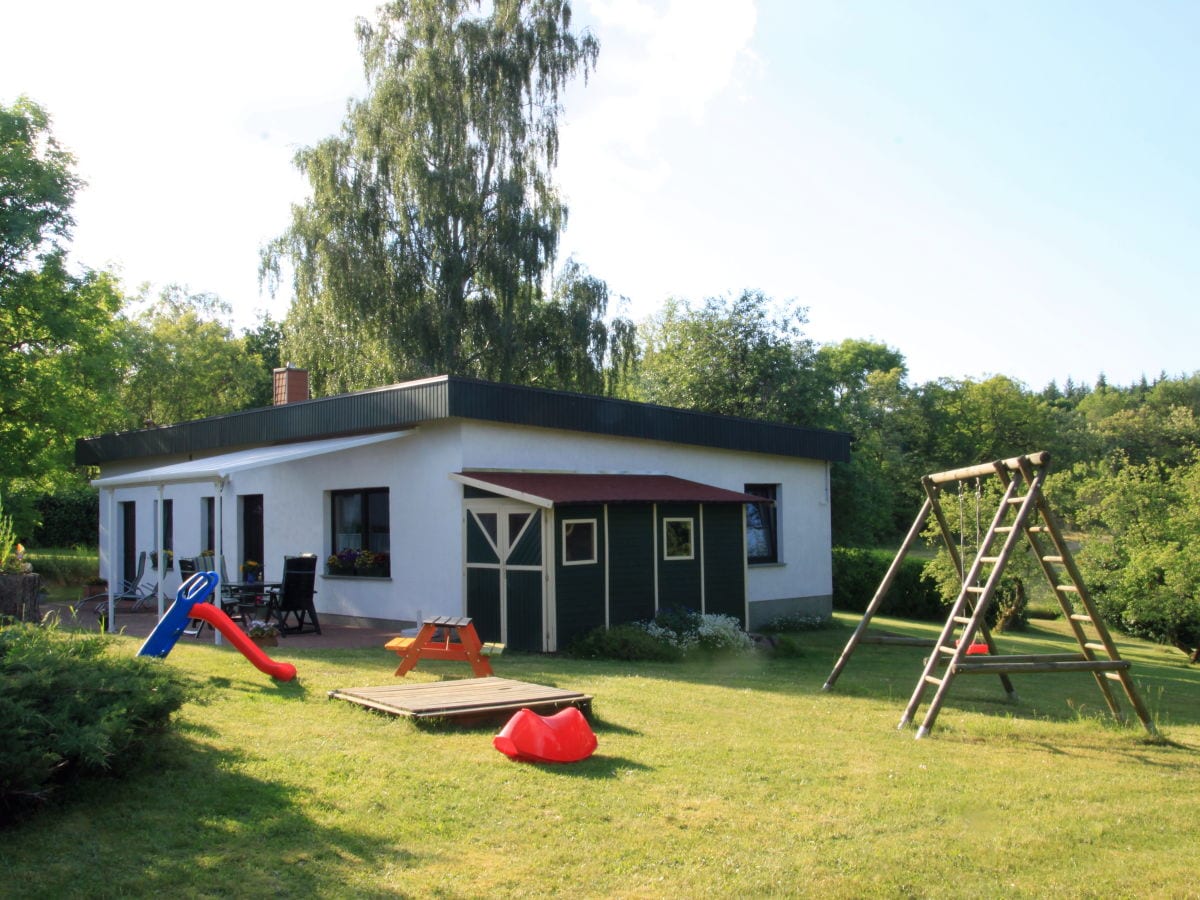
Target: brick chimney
[[291, 385]]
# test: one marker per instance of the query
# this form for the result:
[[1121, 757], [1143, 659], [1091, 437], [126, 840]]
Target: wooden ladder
[[1023, 511]]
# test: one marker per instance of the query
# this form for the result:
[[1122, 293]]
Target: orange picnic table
[[442, 637]]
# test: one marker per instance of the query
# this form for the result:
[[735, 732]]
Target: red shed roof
[[556, 489]]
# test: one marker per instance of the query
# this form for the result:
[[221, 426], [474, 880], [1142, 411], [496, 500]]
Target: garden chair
[[295, 597], [134, 589]]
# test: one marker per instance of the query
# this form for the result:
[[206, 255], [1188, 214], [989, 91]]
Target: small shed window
[[579, 541], [677, 539]]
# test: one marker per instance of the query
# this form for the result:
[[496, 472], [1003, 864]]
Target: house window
[[579, 541], [361, 532], [762, 531], [677, 539]]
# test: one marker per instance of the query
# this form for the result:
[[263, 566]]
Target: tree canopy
[[37, 186], [433, 221], [744, 356], [59, 345], [185, 362]]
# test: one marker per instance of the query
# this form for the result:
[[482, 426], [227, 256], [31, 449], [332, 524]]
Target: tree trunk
[[20, 597]]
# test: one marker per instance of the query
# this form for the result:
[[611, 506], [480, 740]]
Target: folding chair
[[133, 589], [295, 596]]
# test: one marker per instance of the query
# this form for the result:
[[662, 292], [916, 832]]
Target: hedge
[[857, 574]]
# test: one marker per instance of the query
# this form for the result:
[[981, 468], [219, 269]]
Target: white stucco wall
[[426, 508], [805, 566]]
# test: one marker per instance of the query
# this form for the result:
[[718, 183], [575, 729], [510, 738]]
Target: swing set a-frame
[[1023, 511]]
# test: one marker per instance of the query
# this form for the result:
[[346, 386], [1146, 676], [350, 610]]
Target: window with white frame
[[678, 538], [579, 542]]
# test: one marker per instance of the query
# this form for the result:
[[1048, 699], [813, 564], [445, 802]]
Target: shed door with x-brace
[[504, 573]]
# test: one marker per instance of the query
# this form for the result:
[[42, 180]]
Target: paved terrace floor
[[139, 624]]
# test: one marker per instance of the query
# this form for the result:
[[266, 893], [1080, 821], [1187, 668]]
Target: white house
[[541, 514]]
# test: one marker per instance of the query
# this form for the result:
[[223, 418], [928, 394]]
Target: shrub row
[[857, 574], [69, 518], [74, 567], [674, 634], [69, 708]]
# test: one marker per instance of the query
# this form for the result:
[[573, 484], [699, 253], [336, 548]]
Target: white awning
[[218, 468]]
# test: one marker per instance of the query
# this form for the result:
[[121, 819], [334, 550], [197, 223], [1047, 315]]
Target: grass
[[729, 778]]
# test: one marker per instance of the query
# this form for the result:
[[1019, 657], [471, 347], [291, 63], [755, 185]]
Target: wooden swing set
[[1023, 510]]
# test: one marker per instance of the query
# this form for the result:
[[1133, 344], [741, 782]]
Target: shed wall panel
[[724, 562], [579, 589], [631, 563], [679, 579]]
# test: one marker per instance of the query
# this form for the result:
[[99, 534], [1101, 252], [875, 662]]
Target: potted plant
[[251, 571], [168, 555], [263, 634], [371, 564], [342, 562]]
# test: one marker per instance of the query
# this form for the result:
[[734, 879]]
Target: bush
[[674, 634], [694, 632], [58, 566], [629, 642], [857, 574], [784, 646], [68, 518], [68, 708], [794, 622]]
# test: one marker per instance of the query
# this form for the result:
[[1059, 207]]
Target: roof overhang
[[550, 489], [219, 468]]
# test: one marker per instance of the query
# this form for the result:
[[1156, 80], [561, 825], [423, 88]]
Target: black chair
[[295, 597]]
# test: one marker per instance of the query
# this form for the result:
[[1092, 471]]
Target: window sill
[[766, 565], [358, 577]]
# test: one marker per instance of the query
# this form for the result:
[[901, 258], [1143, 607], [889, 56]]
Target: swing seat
[[975, 649]]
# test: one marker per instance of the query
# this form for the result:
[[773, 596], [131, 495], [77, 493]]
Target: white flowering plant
[[690, 631], [260, 629]]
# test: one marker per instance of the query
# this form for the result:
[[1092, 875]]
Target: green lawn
[[735, 778]]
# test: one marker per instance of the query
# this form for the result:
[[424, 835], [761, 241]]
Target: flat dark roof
[[449, 397]]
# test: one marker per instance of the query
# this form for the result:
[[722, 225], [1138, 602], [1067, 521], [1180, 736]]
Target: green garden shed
[[569, 552]]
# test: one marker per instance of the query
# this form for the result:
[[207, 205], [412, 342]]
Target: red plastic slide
[[280, 671], [563, 737]]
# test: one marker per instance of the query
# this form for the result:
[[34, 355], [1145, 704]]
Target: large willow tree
[[433, 220]]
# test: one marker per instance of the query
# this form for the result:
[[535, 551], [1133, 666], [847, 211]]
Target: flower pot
[[265, 640]]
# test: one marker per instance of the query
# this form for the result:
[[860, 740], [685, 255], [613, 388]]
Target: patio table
[[246, 595]]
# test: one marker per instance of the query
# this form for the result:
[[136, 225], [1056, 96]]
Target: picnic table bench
[[443, 637]]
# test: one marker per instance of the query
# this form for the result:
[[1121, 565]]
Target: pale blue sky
[[991, 188]]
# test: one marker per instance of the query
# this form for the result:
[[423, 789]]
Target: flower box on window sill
[[334, 572], [358, 564]]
